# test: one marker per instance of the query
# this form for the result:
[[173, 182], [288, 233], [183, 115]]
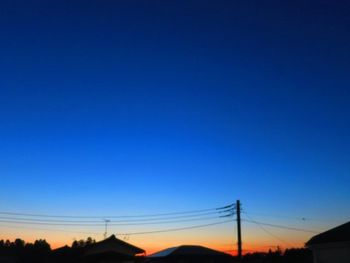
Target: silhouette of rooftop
[[113, 244], [61, 249], [338, 234], [188, 250]]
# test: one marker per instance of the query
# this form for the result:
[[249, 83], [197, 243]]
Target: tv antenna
[[106, 225]]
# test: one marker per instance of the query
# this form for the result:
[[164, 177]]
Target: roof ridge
[[336, 234]]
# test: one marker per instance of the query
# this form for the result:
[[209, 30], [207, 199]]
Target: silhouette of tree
[[75, 244], [19, 243], [82, 243], [7, 243], [42, 245], [89, 241]]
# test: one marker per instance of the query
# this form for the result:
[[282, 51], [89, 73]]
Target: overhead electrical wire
[[174, 229], [145, 219], [301, 218], [117, 216], [102, 223], [24, 221], [52, 230], [281, 226], [131, 233], [268, 232], [116, 221], [151, 219]]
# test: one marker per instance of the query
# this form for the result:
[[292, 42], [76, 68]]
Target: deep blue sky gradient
[[111, 107]]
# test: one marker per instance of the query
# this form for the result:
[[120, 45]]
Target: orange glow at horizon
[[229, 249], [220, 237], [150, 249]]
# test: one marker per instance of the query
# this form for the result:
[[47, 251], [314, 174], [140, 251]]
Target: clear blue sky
[[114, 107]]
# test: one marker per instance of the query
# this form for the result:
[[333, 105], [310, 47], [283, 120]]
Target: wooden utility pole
[[239, 237]]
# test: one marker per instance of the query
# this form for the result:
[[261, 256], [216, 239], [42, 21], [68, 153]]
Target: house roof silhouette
[[113, 245], [338, 234], [188, 250]]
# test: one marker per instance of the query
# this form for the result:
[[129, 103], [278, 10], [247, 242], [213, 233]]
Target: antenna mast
[[106, 224]]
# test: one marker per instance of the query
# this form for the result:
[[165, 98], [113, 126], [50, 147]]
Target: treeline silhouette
[[40, 252], [291, 255], [20, 251]]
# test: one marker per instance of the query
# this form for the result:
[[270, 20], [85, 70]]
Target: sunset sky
[[148, 107]]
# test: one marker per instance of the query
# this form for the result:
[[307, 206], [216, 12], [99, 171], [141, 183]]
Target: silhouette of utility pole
[[239, 237]]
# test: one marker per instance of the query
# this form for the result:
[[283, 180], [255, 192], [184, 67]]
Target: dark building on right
[[332, 246], [189, 254]]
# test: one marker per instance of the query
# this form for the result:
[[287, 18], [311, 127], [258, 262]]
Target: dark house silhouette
[[331, 246], [189, 253], [111, 249], [66, 254]]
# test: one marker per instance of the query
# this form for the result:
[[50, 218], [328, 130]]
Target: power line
[[283, 227], [268, 232], [49, 224], [174, 229], [115, 221], [117, 216], [53, 230], [128, 234], [166, 222], [109, 223], [294, 218]]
